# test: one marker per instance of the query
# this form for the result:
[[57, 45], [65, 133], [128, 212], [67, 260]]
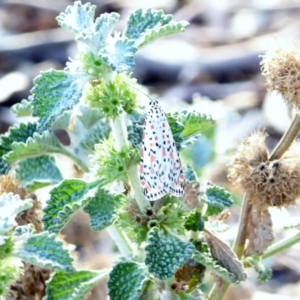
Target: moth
[[160, 165]]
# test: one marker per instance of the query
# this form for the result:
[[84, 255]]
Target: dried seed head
[[269, 183], [281, 67]]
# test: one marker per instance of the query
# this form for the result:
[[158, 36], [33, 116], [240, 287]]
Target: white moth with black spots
[[160, 166]]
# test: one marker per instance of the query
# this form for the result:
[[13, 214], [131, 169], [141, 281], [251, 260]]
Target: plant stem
[[121, 240], [140, 198], [238, 247], [239, 243], [281, 245], [287, 139]]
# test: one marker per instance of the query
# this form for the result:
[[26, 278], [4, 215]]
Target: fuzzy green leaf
[[217, 199], [165, 253], [73, 285], [17, 133], [102, 209], [213, 266], [77, 17], [194, 222], [22, 109], [44, 250], [94, 136], [144, 26], [10, 206], [38, 144], [65, 199], [54, 92], [264, 272], [95, 37], [194, 123], [45, 172], [120, 56], [135, 129], [126, 281]]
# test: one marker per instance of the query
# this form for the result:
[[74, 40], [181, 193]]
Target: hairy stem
[[281, 245], [239, 244], [287, 139], [140, 198], [121, 240]]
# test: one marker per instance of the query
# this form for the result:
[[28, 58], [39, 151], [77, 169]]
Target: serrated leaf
[[77, 17], [102, 208], [214, 267], [38, 144], [17, 133], [126, 281], [64, 200], [194, 222], [119, 56], [38, 172], [22, 109], [165, 253], [217, 199], [225, 255], [194, 123], [144, 26], [135, 129], [55, 92], [10, 206], [264, 272], [95, 37], [189, 174], [94, 136], [44, 250], [73, 285]]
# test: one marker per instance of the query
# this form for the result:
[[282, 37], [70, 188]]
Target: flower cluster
[[281, 68], [269, 183]]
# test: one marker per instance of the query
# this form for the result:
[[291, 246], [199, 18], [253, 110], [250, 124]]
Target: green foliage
[[119, 58], [66, 199], [264, 272], [6, 247], [38, 144], [53, 93], [73, 285], [44, 251], [194, 222], [194, 123], [17, 133], [213, 266], [147, 25], [112, 165], [165, 253], [22, 109], [110, 96], [102, 209], [9, 272], [10, 206], [126, 281], [77, 17], [46, 172], [217, 199], [135, 129], [94, 101], [189, 173]]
